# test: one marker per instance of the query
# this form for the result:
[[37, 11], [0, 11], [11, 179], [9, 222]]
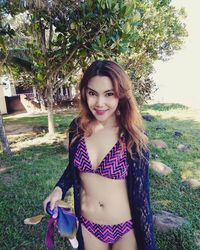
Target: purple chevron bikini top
[[113, 166]]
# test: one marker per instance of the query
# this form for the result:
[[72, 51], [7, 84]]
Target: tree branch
[[60, 83], [43, 40], [50, 34], [55, 71]]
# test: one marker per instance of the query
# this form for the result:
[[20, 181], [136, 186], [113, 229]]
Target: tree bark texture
[[3, 137], [50, 102]]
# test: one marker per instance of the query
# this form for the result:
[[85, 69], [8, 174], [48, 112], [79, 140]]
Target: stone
[[2, 163], [148, 117], [154, 156], [192, 183], [160, 128], [40, 129], [165, 221], [160, 144], [177, 134], [160, 168], [197, 236], [184, 147]]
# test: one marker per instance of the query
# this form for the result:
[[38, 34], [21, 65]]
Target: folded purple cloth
[[49, 239]]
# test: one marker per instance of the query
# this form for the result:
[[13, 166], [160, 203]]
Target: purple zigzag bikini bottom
[[107, 233]]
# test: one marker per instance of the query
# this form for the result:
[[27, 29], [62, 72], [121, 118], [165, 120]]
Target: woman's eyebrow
[[97, 92]]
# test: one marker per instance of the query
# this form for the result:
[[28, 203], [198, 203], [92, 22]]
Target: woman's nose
[[100, 101]]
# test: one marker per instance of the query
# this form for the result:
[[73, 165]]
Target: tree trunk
[[3, 138], [50, 102], [51, 126], [42, 104]]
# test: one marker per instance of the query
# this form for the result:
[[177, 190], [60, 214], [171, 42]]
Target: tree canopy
[[60, 38]]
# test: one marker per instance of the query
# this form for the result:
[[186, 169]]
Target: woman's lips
[[100, 112]]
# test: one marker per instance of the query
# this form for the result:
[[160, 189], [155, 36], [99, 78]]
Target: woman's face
[[101, 99]]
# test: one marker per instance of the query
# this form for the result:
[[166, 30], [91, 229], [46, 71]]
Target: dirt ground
[[22, 136], [17, 129]]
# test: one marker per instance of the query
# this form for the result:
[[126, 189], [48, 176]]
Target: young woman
[[108, 165]]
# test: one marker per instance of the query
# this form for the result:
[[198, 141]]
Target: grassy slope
[[165, 194], [33, 172]]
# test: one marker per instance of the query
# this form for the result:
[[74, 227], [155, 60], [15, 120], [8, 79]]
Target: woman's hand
[[55, 196]]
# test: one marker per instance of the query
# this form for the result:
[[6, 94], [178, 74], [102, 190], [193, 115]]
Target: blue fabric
[[64, 220], [138, 193]]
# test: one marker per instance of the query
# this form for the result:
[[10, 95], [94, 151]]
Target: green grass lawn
[[28, 177]]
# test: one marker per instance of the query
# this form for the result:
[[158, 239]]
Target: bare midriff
[[104, 200]]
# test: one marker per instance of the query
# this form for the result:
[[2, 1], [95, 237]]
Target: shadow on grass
[[27, 119], [164, 106], [36, 126], [165, 128], [33, 175], [60, 118]]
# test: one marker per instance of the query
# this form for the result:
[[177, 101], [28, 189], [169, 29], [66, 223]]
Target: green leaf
[[135, 17], [103, 4], [2, 44], [109, 4], [83, 53], [115, 6], [113, 46], [73, 25], [94, 46], [98, 41], [123, 49], [129, 10], [123, 11], [127, 27], [103, 40], [40, 77], [59, 39]]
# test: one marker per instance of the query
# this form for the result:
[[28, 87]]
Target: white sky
[[179, 78]]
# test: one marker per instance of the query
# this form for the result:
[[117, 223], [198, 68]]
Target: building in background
[[26, 99]]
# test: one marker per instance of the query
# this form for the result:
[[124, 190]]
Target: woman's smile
[[100, 112]]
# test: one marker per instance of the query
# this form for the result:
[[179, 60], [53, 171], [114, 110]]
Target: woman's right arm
[[60, 189]]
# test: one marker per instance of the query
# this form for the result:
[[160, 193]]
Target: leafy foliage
[[158, 34], [60, 38]]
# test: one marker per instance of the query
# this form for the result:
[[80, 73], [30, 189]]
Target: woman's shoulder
[[73, 127], [74, 122], [137, 156]]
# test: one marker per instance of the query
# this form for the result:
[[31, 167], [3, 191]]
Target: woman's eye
[[110, 94], [91, 93]]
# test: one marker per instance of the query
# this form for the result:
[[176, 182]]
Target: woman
[[108, 165]]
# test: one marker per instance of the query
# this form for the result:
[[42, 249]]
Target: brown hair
[[129, 121]]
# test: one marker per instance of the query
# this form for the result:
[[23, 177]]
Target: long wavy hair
[[128, 116]]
